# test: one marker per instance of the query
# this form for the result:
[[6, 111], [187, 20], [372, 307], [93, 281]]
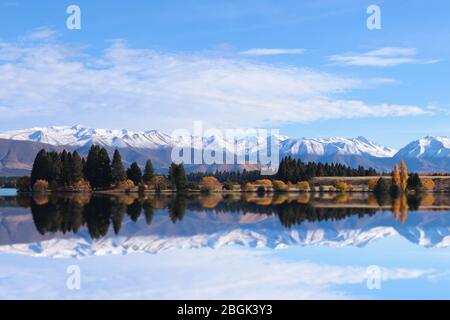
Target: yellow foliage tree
[[210, 184], [403, 176], [264, 182], [279, 185], [372, 183], [427, 184], [304, 186], [342, 186], [396, 180]]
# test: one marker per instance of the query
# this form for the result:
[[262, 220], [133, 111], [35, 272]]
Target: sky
[[307, 68]]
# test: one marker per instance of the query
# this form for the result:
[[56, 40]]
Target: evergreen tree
[[172, 176], [92, 166], [181, 179], [40, 170], [65, 168], [134, 173], [55, 168], [98, 167], [76, 167], [414, 182], [104, 167], [117, 170], [148, 172]]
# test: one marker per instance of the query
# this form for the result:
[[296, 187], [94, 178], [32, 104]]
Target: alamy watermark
[[374, 19], [374, 277], [258, 147], [73, 22], [73, 281]]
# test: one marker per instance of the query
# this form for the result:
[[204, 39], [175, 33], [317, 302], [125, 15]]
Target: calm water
[[237, 246]]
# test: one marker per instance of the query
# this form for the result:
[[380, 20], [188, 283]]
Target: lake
[[236, 246]]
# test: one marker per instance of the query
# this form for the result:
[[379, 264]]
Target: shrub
[[82, 186], [264, 182], [372, 183], [279, 185], [249, 187], [228, 186], [209, 184], [160, 183], [304, 186], [127, 184], [342, 186], [40, 186], [427, 184]]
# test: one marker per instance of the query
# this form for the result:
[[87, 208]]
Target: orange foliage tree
[[209, 184]]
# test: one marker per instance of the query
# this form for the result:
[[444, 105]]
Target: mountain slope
[[424, 155]]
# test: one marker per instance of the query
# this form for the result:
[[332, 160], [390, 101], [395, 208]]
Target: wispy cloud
[[42, 33], [195, 274], [384, 57], [271, 52], [50, 82]]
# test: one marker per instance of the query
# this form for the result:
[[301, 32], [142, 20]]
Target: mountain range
[[18, 234], [18, 149]]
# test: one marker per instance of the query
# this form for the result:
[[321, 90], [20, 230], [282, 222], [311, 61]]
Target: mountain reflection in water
[[98, 213]]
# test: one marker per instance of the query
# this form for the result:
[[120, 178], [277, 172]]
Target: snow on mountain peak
[[428, 148], [336, 146], [79, 135]]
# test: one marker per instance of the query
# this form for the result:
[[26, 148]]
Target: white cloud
[[42, 33], [384, 57], [271, 52], [225, 273], [52, 83]]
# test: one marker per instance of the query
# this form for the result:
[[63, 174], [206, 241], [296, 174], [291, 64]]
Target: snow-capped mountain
[[427, 148], [430, 154], [335, 146], [427, 154], [78, 136]]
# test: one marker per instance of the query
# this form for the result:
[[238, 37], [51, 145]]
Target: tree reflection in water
[[99, 213]]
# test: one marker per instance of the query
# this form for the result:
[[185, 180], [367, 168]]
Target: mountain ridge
[[422, 155]]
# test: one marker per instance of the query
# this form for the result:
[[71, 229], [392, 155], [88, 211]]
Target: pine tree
[[117, 170], [148, 172], [172, 174], [55, 168], [65, 169], [98, 167], [92, 166], [134, 173], [104, 169], [76, 168], [181, 179], [40, 170]]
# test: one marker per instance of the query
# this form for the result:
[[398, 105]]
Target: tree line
[[66, 169], [295, 170]]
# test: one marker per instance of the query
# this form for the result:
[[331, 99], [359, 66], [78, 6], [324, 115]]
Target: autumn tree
[[403, 176], [395, 182]]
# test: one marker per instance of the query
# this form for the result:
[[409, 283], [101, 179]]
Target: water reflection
[[69, 213]]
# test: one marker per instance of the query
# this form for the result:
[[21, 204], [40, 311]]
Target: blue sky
[[310, 68]]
